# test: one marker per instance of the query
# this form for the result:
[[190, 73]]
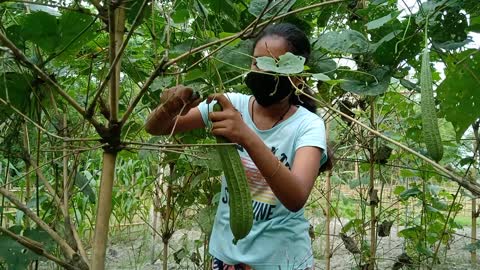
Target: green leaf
[[16, 256], [398, 190], [42, 29], [276, 7], [160, 83], [319, 63], [449, 27], [237, 56], [16, 89], [287, 63], [345, 41], [15, 34], [133, 7], [381, 21], [459, 93], [352, 224], [71, 24], [180, 15], [321, 77], [41, 236], [369, 86], [412, 192], [83, 185], [473, 246], [474, 24]]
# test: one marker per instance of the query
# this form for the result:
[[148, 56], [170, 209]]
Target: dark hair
[[298, 44]]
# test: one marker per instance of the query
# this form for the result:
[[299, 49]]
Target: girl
[[282, 145]]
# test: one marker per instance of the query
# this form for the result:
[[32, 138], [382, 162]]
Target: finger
[[219, 124], [185, 93], [222, 100], [195, 102], [220, 132], [217, 116]]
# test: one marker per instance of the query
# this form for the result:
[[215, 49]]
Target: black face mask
[[268, 89]]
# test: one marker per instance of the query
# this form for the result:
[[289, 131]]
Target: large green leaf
[[286, 64], [381, 21], [275, 7], [75, 26], [375, 84], [237, 56], [42, 29], [15, 255], [16, 89], [345, 41], [449, 29], [459, 93], [84, 186]]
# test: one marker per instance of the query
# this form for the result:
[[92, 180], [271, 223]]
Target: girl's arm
[[177, 109], [292, 187]]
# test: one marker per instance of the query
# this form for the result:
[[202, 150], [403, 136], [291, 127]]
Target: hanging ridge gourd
[[240, 201], [431, 133]]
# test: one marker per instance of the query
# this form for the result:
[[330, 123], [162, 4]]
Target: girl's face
[[271, 46]]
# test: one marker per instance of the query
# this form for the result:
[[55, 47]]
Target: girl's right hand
[[179, 100]]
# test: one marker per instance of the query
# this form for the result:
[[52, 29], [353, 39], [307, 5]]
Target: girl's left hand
[[228, 123]]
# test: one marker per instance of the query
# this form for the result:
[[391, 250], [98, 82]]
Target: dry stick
[[117, 57], [37, 248], [165, 64], [472, 187], [69, 252]]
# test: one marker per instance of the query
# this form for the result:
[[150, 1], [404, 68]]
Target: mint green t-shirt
[[279, 238]]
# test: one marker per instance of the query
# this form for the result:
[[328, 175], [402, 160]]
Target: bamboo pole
[[104, 207], [104, 210], [328, 214], [26, 145], [373, 219], [473, 255]]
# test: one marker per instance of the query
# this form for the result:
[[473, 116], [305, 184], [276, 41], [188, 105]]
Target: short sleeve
[[205, 108], [312, 133]]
